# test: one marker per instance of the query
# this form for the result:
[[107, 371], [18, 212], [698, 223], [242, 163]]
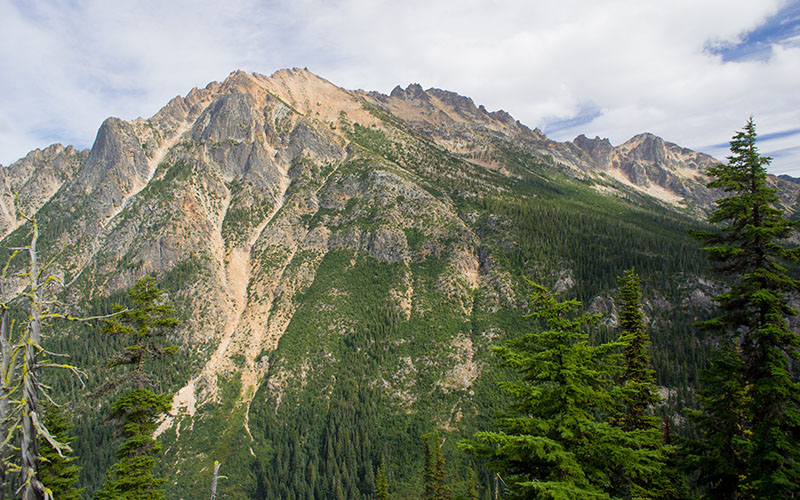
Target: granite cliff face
[[299, 225]]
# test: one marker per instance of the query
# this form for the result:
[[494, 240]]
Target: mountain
[[28, 183], [789, 178], [645, 163], [343, 261]]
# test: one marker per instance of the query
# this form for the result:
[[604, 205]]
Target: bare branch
[[84, 319], [59, 447], [74, 369], [50, 263]]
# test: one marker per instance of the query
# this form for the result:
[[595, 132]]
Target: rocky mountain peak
[[412, 92], [293, 73], [241, 82], [500, 115], [450, 119], [599, 149], [297, 80], [116, 159], [648, 146], [313, 96], [464, 105], [789, 178], [248, 108], [30, 182]]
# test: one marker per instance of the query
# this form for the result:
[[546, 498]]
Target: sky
[[690, 71]]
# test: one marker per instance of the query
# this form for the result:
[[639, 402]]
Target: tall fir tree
[[132, 477], [434, 474], [556, 442], [637, 395], [471, 492], [428, 484], [640, 393], [440, 475], [750, 249], [718, 458], [146, 327]]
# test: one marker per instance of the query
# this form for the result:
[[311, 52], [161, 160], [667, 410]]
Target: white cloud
[[641, 64]]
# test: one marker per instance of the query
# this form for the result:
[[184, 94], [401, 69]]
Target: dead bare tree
[[30, 344], [22, 359], [7, 381]]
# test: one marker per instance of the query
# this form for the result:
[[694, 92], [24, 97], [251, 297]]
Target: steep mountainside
[[343, 261]]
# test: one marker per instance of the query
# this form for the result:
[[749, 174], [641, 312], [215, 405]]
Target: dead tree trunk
[[6, 387], [29, 448], [8, 364], [20, 386], [214, 481]]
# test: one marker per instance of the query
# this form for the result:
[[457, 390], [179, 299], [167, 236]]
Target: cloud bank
[[691, 72]]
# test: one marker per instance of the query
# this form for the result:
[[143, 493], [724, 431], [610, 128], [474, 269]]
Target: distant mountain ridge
[[645, 162]]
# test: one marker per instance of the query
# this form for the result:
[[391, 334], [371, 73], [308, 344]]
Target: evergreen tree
[[428, 484], [145, 326], [637, 395], [472, 486], [675, 487], [439, 473], [381, 483], [554, 443], [58, 472], [753, 313], [640, 392], [719, 457], [434, 474], [132, 477]]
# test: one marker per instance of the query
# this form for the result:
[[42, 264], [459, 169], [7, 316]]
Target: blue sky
[[691, 72], [781, 28]]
